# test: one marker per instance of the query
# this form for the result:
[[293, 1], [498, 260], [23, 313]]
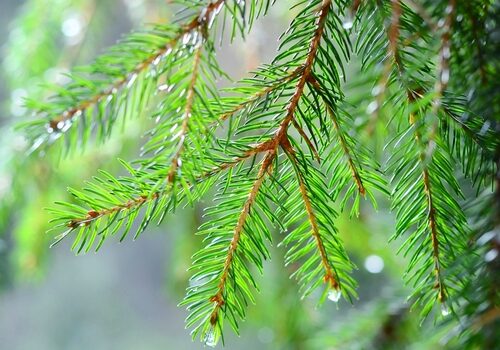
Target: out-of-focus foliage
[[45, 40], [387, 103]]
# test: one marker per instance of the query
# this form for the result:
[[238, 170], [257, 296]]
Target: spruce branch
[[443, 69], [119, 83], [262, 93], [342, 141], [282, 147], [207, 318], [176, 160], [439, 285], [330, 275], [218, 298], [196, 23], [393, 58], [438, 224]]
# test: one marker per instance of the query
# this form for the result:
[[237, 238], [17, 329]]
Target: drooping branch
[[271, 147], [187, 115], [393, 33], [94, 215], [431, 209], [197, 23], [443, 70], [218, 298], [330, 275], [296, 72], [342, 140]]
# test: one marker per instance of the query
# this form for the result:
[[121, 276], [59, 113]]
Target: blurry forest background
[[126, 295]]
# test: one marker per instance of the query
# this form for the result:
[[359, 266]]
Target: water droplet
[[186, 38], [445, 76], [210, 338], [377, 89], [334, 295], [488, 236], [177, 135], [165, 87], [347, 24], [172, 129], [157, 60], [38, 142], [131, 80], [491, 255], [445, 311], [372, 107], [446, 52]]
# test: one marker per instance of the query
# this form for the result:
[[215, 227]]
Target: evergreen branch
[[434, 236], [330, 275], [195, 24], [430, 203], [422, 198], [290, 147], [117, 85], [187, 115], [342, 141], [210, 322], [414, 72], [271, 148], [88, 217], [218, 298], [422, 192], [392, 47], [312, 239], [443, 69], [353, 168], [263, 92], [134, 203], [307, 69], [93, 215]]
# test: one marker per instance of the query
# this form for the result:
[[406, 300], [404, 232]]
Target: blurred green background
[[126, 295]]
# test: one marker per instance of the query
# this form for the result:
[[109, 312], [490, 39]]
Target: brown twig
[[93, 215]]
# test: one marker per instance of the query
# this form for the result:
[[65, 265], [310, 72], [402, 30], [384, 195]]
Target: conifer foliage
[[290, 146]]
